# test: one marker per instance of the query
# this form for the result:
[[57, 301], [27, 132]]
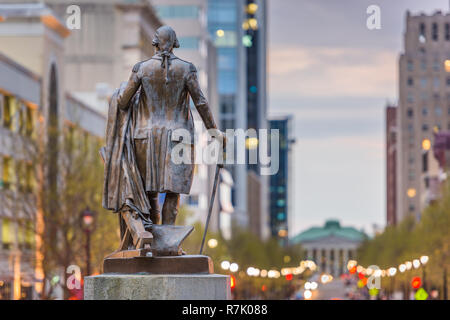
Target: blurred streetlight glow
[[220, 33], [234, 267], [392, 271], [424, 260], [411, 192], [416, 263], [408, 265], [253, 23], [263, 273], [447, 65], [212, 243], [225, 265], [314, 285], [402, 268], [426, 144], [351, 264], [252, 143], [252, 8], [307, 285], [307, 294]]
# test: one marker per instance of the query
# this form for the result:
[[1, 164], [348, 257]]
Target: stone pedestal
[[157, 287]]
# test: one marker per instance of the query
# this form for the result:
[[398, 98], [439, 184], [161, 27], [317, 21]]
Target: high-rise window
[[7, 233], [177, 12], [423, 65], [410, 81], [438, 111], [447, 31], [29, 122], [410, 112], [422, 33], [189, 42], [410, 65], [425, 127], [423, 82], [434, 31], [436, 65], [8, 106], [424, 111], [436, 82], [226, 39], [8, 173]]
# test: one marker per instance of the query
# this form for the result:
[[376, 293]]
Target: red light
[[263, 287], [361, 275], [353, 270], [416, 282], [289, 277], [364, 281], [232, 282]]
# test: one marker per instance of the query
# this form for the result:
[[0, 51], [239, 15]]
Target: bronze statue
[[143, 115]]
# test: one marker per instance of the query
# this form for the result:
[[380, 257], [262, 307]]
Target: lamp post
[[87, 222], [423, 261]]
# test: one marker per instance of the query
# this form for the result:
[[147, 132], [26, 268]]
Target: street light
[[234, 267], [225, 265], [424, 260], [87, 223]]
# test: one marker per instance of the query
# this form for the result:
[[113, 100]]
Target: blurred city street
[[286, 149]]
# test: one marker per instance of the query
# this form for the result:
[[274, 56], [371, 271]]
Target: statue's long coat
[[163, 120], [122, 180], [149, 108]]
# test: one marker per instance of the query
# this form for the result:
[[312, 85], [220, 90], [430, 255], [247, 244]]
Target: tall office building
[[424, 106], [237, 28], [281, 182], [189, 20], [391, 165]]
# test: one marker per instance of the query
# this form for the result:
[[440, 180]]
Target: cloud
[[321, 71]]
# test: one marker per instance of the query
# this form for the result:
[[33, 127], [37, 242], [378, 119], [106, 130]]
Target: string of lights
[[271, 273], [353, 267]]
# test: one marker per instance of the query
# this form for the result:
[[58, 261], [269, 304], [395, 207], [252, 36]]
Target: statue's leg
[[155, 215], [170, 208]]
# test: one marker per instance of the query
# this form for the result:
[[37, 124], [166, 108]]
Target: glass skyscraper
[[237, 28]]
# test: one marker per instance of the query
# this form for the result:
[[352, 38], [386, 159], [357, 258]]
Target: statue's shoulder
[[188, 65], [138, 65]]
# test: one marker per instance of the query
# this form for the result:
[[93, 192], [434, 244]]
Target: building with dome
[[330, 246]]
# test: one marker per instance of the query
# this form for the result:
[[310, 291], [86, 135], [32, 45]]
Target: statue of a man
[[143, 115]]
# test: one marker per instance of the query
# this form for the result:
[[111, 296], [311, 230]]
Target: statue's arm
[[132, 86], [199, 99]]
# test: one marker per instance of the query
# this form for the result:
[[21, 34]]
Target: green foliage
[[410, 239]]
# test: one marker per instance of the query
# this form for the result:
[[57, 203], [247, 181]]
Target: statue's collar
[[157, 56]]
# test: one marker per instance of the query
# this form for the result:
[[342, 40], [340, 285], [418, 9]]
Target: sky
[[335, 76]]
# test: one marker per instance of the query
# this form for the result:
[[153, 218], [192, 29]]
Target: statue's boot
[[170, 208], [155, 213]]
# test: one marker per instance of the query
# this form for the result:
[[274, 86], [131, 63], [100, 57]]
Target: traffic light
[[232, 282], [416, 282]]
